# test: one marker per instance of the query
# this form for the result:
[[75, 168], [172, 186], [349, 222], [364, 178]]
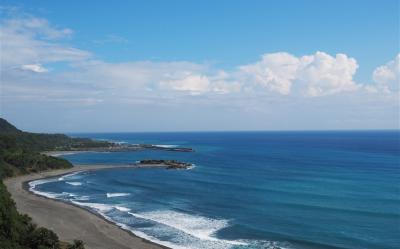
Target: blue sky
[[203, 52], [229, 33]]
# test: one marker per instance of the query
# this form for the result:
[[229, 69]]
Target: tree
[[43, 238], [78, 244]]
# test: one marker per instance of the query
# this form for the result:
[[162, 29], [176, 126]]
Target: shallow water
[[248, 189]]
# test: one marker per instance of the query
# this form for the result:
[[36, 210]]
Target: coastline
[[70, 221], [63, 152]]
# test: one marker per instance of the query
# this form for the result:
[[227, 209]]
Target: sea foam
[[100, 207], [110, 195], [122, 209], [74, 183], [165, 145], [200, 227], [82, 198], [35, 183], [62, 178]]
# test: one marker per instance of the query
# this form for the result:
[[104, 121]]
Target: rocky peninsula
[[169, 164], [113, 147]]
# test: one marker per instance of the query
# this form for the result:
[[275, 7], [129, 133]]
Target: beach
[[71, 222]]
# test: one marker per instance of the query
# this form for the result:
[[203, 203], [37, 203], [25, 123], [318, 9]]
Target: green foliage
[[18, 231], [42, 238], [45, 142], [78, 244], [19, 155], [15, 159]]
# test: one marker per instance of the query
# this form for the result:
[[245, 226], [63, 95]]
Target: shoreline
[[64, 152], [71, 221]]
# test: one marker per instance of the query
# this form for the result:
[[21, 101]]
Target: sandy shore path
[[71, 222]]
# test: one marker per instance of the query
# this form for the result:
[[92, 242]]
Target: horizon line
[[233, 131]]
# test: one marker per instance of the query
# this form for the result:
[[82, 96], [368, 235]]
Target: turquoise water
[[248, 189]]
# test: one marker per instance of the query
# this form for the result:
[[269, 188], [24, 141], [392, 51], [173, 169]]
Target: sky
[[100, 66]]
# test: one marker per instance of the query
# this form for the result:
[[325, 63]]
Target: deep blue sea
[[248, 189]]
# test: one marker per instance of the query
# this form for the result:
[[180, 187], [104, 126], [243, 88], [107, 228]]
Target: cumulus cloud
[[387, 77], [311, 75], [323, 74], [275, 71]]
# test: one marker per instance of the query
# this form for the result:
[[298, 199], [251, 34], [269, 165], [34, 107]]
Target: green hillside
[[6, 127], [19, 154], [46, 142], [20, 150]]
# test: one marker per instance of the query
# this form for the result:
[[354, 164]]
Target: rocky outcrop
[[155, 147], [170, 164]]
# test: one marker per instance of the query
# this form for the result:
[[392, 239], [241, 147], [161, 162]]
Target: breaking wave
[[165, 145], [110, 195], [74, 183]]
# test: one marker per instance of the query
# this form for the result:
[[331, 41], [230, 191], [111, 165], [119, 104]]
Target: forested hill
[[19, 154], [6, 127], [19, 151], [42, 142]]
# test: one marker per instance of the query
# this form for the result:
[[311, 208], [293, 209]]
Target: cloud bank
[[310, 75], [32, 49]]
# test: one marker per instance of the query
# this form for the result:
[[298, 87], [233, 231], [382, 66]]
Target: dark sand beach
[[71, 222]]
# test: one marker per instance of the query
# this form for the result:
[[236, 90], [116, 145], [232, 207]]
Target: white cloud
[[195, 84], [323, 74], [37, 68], [37, 27], [387, 77], [311, 75], [32, 40], [225, 83], [135, 77], [275, 88], [275, 71]]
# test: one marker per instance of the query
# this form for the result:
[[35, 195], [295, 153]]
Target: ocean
[[316, 189]]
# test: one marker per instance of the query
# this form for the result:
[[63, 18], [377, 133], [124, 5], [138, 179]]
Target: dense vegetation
[[46, 142], [19, 151], [19, 154]]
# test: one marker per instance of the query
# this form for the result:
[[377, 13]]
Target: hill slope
[[19, 154], [20, 150], [6, 127], [41, 142]]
